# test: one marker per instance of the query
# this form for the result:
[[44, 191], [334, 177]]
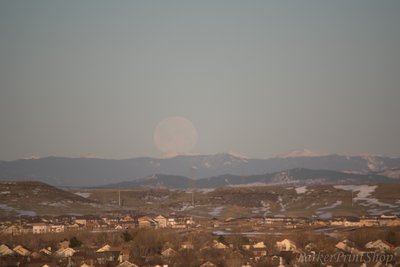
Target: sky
[[258, 78]]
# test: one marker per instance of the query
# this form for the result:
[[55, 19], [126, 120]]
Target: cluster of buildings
[[284, 253], [114, 222], [346, 221], [43, 225]]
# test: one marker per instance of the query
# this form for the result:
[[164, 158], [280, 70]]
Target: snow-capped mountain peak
[[303, 153]]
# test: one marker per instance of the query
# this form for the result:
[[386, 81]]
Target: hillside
[[36, 198], [294, 176], [95, 172], [285, 200]]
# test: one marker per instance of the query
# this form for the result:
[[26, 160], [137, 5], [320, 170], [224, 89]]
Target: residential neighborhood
[[123, 239]]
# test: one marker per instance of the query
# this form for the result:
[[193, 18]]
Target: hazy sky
[[256, 77]]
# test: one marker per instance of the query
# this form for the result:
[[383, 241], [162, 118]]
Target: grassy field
[[32, 198]]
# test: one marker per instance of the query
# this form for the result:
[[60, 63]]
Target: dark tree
[[74, 242], [126, 236]]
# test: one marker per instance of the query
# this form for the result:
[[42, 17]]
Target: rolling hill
[[36, 198], [297, 176]]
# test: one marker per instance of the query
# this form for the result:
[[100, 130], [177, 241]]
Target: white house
[[219, 245], [59, 228], [286, 245], [65, 252], [5, 250], [22, 251], [161, 221], [40, 228], [348, 246], [104, 248]]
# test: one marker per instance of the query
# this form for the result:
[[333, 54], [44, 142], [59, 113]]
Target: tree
[[221, 239], [126, 236], [146, 243], [391, 237], [74, 242]]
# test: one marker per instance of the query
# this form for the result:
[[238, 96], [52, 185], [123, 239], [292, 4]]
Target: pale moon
[[175, 135]]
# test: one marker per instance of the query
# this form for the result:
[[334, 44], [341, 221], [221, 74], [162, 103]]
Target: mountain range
[[289, 177], [90, 172]]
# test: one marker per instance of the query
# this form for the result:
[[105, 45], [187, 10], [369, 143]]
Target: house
[[104, 248], [281, 262], [59, 228], [65, 252], [278, 220], [179, 222], [40, 228], [21, 250], [127, 218], [169, 252], [81, 222], [12, 230], [124, 255], [366, 221], [286, 245], [127, 264], [259, 250], [171, 222], [379, 245], [219, 245], [208, 264], [108, 254], [246, 247], [127, 222], [161, 221], [351, 221], [348, 246], [46, 251], [6, 250], [72, 227], [146, 222]]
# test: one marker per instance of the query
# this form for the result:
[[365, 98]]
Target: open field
[[324, 201], [317, 200]]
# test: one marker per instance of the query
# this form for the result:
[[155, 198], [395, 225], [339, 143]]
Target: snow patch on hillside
[[301, 190], [364, 191], [216, 211], [332, 206], [83, 194], [364, 195]]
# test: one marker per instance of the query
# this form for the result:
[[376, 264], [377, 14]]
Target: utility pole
[[352, 198], [119, 198], [192, 176]]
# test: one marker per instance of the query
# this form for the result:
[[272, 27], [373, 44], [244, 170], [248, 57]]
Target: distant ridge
[[303, 153], [293, 176], [61, 171]]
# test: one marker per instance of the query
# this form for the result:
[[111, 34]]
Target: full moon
[[175, 135]]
